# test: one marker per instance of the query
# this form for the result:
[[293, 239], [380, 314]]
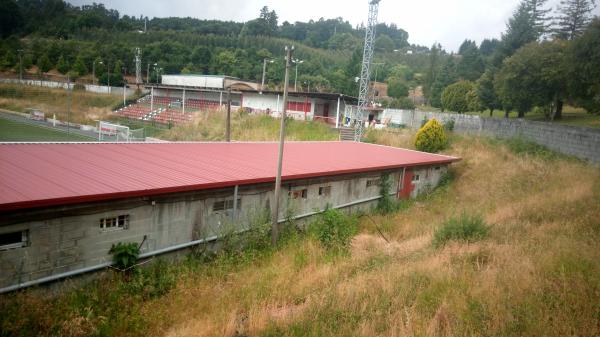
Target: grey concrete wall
[[580, 142], [68, 238], [99, 89]]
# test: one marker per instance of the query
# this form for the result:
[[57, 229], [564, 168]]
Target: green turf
[[12, 131]]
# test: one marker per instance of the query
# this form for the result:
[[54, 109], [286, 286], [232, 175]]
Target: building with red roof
[[63, 205]]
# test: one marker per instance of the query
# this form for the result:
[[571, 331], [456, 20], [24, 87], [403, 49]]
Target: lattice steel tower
[[138, 66], [365, 73]]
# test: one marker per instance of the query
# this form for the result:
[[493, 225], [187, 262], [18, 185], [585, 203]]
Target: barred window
[[298, 194], [114, 223], [13, 240], [373, 182], [225, 205], [325, 190]]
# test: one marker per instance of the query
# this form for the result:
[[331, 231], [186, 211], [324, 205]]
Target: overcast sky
[[448, 22]]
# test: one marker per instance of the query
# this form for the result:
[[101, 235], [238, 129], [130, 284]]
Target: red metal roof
[[47, 174]]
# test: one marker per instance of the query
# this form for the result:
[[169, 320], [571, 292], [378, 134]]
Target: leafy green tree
[[574, 16], [401, 71], [62, 66], [397, 88], [404, 103], [384, 43], [536, 75], [584, 68], [225, 62], [454, 97], [473, 102], [201, 59], [44, 63], [343, 41]]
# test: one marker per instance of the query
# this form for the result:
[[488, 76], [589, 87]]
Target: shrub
[[334, 229], [464, 228], [449, 125], [454, 97], [125, 255], [385, 204], [431, 137]]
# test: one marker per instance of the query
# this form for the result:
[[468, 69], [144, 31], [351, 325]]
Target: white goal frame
[[110, 129]]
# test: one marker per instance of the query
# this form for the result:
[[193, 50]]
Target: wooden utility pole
[[228, 121], [275, 214]]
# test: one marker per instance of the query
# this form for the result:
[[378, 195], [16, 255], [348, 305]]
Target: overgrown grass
[[537, 273], [466, 228], [210, 126], [85, 107]]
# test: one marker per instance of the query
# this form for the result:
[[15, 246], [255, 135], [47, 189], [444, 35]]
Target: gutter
[[163, 250]]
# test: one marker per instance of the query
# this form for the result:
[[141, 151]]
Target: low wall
[[99, 89], [580, 142]]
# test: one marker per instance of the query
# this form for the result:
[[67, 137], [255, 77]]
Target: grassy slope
[[11, 131], [210, 126], [85, 107], [537, 274]]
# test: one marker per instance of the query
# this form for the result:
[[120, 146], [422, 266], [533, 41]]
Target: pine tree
[[432, 69], [539, 16], [446, 76], [520, 30], [574, 17]]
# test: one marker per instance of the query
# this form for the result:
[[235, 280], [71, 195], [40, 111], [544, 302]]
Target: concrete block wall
[[580, 142], [69, 238]]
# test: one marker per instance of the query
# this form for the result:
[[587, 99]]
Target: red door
[[406, 186]]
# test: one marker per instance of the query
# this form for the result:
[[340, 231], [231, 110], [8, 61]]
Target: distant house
[[62, 206]]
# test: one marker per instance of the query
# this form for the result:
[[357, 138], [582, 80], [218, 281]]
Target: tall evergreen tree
[[446, 76], [432, 69], [470, 66], [574, 16], [520, 30], [539, 16]]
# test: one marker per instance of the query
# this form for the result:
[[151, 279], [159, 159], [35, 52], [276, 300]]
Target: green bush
[[152, 281], [386, 204], [454, 97], [431, 137], [449, 125], [464, 228], [334, 229], [125, 255]]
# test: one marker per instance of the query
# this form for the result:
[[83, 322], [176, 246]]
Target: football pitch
[[13, 131]]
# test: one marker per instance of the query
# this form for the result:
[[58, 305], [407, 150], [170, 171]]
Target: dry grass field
[[536, 273], [85, 107]]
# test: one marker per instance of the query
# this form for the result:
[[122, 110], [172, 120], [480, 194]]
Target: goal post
[[113, 132]]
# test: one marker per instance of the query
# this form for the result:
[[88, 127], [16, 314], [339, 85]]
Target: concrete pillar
[[337, 114]]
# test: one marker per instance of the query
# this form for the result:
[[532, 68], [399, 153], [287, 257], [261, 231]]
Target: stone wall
[[580, 142]]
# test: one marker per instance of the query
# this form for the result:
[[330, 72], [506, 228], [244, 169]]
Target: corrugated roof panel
[[45, 174]]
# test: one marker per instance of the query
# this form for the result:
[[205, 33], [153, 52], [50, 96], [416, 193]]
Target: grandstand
[[166, 110]]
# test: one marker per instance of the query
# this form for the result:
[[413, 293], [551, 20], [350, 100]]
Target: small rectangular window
[[416, 177], [437, 168], [225, 205], [14, 240], [373, 182], [298, 194], [114, 223], [325, 191]]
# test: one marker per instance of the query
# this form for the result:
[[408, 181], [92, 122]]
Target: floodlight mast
[[365, 73]]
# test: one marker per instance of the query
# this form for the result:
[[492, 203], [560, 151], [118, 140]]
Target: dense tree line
[[541, 62], [79, 41]]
